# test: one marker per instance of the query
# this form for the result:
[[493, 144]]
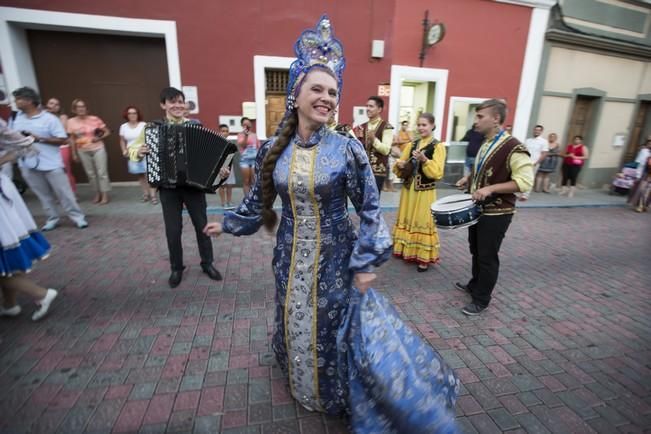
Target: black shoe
[[212, 272], [473, 309], [175, 278], [463, 288]]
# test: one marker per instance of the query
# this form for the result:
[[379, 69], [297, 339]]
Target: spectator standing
[[226, 190], [248, 143], [474, 139], [573, 159], [129, 132], [54, 106], [43, 172], [548, 165], [87, 133], [538, 148]]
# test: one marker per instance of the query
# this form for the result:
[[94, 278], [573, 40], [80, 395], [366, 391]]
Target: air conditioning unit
[[4, 92], [233, 123]]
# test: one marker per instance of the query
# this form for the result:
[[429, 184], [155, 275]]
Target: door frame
[[599, 96], [401, 73], [453, 100], [17, 64], [260, 63], [641, 98]]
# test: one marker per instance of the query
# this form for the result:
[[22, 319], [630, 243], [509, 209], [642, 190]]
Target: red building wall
[[483, 48], [218, 39]]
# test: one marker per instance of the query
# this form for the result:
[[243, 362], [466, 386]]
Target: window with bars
[[276, 80]]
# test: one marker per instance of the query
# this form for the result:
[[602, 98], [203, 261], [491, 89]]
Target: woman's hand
[[419, 156], [362, 281], [8, 157], [214, 229], [142, 151]]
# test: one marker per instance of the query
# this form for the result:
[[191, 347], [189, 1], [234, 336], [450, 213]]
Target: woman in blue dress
[[319, 255]]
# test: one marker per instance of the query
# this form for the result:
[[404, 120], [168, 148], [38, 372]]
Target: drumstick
[[457, 201], [478, 202]]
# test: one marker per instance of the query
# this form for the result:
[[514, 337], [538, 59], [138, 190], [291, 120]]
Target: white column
[[530, 70]]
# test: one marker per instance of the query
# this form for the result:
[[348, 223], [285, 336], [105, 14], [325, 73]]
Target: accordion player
[[186, 155]]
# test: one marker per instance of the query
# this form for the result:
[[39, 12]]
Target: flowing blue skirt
[[21, 257], [397, 383]]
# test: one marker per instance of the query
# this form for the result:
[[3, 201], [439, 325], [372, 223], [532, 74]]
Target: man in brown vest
[[502, 168], [377, 136]]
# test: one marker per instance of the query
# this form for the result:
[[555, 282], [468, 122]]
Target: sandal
[[145, 198], [154, 201]]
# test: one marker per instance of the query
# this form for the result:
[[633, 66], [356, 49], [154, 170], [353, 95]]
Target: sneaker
[[473, 309], [82, 224], [49, 225], [463, 288], [12, 311], [45, 304]]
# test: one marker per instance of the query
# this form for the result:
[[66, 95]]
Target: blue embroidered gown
[[326, 337], [317, 252]]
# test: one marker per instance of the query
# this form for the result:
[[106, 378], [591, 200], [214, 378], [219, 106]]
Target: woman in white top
[[129, 132]]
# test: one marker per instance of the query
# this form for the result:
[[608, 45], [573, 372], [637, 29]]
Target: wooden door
[[109, 72], [641, 129], [582, 118], [275, 112], [275, 89]]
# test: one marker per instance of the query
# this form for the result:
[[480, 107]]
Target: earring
[[291, 102]]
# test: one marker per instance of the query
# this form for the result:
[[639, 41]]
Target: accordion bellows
[[186, 155]]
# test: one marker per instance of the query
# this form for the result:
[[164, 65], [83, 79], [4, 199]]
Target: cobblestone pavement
[[564, 347]]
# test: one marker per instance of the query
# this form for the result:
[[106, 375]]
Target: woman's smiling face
[[317, 98]]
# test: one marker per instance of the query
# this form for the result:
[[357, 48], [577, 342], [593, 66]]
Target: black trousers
[[485, 239], [569, 173], [379, 181], [172, 200]]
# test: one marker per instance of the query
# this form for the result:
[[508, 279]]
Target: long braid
[[269, 217]]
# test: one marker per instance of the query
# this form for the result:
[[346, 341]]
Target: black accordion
[[186, 155]]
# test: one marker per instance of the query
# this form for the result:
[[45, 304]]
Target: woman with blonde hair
[[87, 134]]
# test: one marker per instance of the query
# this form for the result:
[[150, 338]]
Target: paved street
[[564, 347]]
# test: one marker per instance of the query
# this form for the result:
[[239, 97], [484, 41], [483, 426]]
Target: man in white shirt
[[43, 171], [538, 148], [642, 156]]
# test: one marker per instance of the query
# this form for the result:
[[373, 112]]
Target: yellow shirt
[[382, 146], [433, 168], [132, 149], [519, 163]]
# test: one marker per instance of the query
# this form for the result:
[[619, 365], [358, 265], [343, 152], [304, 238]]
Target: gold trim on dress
[[317, 225], [292, 265]]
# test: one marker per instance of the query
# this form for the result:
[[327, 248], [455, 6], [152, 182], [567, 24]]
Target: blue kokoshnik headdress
[[315, 48]]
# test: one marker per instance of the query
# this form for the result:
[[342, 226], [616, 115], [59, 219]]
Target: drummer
[[502, 168]]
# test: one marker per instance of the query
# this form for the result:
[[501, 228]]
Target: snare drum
[[455, 211]]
